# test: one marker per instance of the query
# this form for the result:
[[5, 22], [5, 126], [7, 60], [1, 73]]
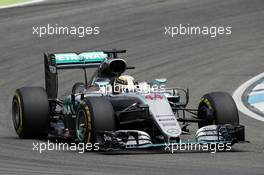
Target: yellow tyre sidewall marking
[[19, 129], [207, 102], [89, 127]]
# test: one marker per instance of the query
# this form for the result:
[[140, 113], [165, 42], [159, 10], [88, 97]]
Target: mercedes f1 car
[[115, 110]]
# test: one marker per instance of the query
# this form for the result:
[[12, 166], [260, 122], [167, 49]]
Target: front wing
[[133, 139]]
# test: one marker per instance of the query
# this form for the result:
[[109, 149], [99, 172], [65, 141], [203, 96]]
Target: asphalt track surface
[[201, 63]]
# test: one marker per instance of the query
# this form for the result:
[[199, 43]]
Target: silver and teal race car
[[116, 111]]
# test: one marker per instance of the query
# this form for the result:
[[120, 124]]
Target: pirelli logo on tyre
[[207, 102]]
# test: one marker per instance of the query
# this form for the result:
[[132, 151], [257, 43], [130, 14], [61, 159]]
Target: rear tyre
[[93, 115], [217, 108], [30, 112]]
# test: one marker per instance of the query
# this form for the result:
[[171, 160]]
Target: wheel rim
[[81, 128], [16, 114]]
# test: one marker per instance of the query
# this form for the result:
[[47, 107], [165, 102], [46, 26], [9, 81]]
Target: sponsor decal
[[167, 119], [88, 57], [169, 124], [172, 131], [154, 96]]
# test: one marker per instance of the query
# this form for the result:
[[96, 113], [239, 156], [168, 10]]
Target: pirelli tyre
[[217, 108], [30, 112], [94, 114]]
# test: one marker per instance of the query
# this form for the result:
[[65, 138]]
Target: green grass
[[11, 2]]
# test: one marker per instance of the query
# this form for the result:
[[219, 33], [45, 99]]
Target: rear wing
[[75, 60], [72, 60]]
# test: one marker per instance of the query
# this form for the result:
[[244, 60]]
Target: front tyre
[[217, 108], [30, 112], [94, 114], [84, 123]]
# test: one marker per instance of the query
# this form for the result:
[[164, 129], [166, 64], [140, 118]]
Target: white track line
[[21, 4], [237, 95]]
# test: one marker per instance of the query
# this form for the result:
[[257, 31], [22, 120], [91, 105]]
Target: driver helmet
[[124, 83]]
